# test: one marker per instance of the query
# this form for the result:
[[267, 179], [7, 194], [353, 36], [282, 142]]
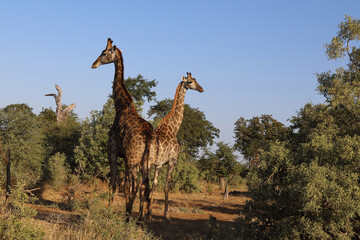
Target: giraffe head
[[108, 55], [191, 83]]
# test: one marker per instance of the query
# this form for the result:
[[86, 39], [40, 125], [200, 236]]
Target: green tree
[[255, 134], [91, 153], [307, 186], [141, 89], [21, 131], [220, 166], [61, 138], [349, 33]]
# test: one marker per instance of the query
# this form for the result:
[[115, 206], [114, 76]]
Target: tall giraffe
[[130, 136], [168, 146]]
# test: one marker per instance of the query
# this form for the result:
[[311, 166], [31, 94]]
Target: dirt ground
[[190, 213]]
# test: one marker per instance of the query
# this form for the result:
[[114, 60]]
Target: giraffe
[[130, 136], [168, 146]]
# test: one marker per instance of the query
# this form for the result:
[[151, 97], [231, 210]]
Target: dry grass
[[190, 213]]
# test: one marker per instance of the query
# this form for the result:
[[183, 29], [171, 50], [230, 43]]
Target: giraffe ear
[[183, 78], [109, 44]]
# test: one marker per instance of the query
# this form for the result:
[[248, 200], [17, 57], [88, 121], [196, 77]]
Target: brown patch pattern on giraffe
[[130, 137], [168, 146]]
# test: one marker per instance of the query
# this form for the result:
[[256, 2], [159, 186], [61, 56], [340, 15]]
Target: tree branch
[[69, 108], [31, 191], [356, 63]]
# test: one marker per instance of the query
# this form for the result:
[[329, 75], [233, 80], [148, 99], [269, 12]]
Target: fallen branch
[[31, 191]]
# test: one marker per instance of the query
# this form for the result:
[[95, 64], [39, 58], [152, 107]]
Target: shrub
[[15, 217], [54, 170], [21, 132], [102, 223], [299, 201], [184, 178]]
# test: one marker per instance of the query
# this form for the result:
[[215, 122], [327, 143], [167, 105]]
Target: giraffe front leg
[[156, 176], [112, 158], [166, 189]]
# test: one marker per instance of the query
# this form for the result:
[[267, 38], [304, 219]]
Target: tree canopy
[[255, 134], [220, 164], [21, 132], [307, 186]]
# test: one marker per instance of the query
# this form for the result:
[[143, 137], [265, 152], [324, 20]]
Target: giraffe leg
[[157, 171], [112, 158], [127, 193], [166, 189], [144, 190], [133, 190]]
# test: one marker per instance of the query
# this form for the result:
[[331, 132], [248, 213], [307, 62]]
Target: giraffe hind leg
[[167, 187], [132, 191], [154, 186], [144, 191]]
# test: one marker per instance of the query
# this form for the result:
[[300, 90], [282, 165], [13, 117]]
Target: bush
[[21, 132], [102, 223], [185, 176], [54, 170], [299, 201], [15, 217]]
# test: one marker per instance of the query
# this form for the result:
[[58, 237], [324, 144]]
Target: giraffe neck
[[122, 97], [174, 118]]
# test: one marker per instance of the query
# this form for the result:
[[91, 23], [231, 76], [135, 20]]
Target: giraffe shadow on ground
[[225, 208], [185, 229], [239, 194]]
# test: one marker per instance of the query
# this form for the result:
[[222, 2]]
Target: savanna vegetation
[[302, 178]]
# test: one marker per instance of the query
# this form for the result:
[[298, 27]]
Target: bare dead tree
[[61, 114]]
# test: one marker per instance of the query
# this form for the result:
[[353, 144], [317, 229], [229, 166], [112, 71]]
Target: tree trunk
[[254, 162], [226, 193], [222, 183]]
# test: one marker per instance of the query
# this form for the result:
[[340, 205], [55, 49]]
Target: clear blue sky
[[251, 57]]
